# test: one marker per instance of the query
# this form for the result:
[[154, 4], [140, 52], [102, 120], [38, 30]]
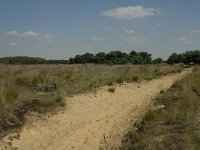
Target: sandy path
[[91, 121]]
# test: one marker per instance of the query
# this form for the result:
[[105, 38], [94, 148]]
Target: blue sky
[[60, 29]]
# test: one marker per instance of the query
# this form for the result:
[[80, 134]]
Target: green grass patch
[[150, 115]]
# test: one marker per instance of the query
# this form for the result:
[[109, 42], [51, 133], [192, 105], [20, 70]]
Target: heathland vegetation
[[173, 122], [43, 87]]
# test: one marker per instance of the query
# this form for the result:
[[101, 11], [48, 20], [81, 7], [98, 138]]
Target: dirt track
[[91, 121]]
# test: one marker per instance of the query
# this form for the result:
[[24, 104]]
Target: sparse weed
[[135, 78], [150, 115], [120, 80], [162, 91], [111, 90], [148, 78]]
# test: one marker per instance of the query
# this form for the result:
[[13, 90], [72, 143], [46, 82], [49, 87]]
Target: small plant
[[150, 115], [148, 78], [35, 81], [11, 95], [111, 90], [135, 78], [120, 80]]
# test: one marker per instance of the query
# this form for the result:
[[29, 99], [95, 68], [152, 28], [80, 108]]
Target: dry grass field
[[94, 118], [43, 87], [177, 126]]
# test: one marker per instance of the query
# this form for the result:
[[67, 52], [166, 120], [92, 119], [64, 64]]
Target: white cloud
[[130, 31], [133, 39], [30, 34], [195, 31], [131, 12], [12, 44], [12, 33], [98, 38], [107, 28], [48, 36], [182, 38]]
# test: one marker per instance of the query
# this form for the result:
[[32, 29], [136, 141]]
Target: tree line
[[187, 57], [29, 60], [113, 57]]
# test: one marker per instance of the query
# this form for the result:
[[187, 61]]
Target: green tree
[[157, 60]]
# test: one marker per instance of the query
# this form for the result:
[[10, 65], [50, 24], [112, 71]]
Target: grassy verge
[[176, 125], [43, 87]]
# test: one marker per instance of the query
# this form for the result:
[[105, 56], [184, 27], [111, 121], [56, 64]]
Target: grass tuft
[[120, 80], [111, 90], [150, 115], [135, 78]]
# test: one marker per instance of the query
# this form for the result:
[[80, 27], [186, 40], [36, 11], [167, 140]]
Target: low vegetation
[[43, 87], [176, 124], [111, 90]]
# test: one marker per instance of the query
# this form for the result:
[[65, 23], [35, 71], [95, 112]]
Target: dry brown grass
[[42, 87], [174, 127]]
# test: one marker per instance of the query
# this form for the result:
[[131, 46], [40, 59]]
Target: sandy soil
[[90, 121]]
